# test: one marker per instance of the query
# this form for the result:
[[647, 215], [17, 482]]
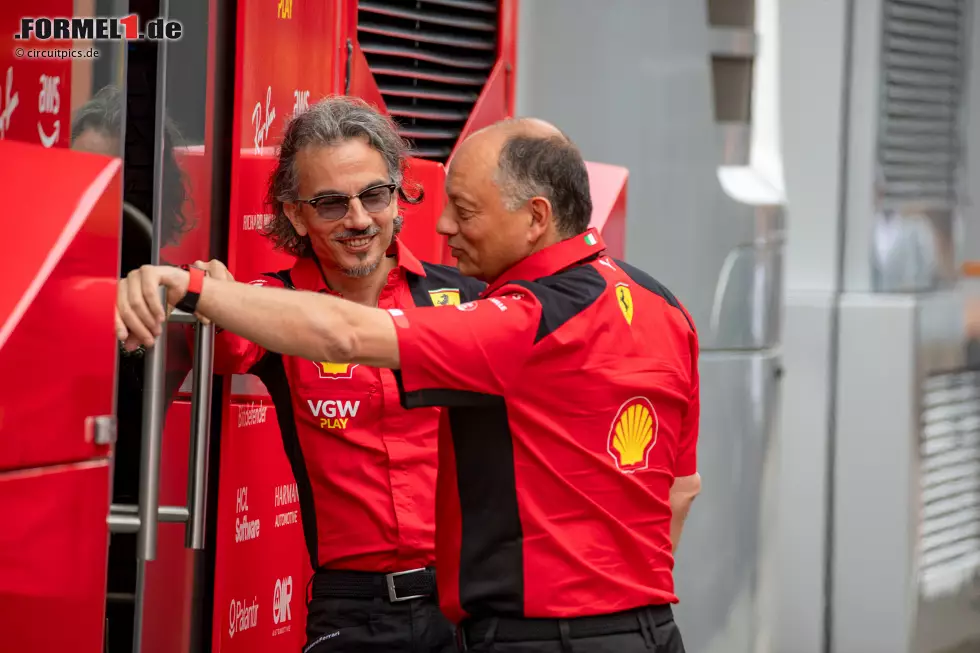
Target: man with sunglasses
[[365, 467]]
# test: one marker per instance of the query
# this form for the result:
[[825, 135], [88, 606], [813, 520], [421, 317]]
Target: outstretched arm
[[297, 323]]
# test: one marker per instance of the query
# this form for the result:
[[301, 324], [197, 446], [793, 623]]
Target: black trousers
[[654, 632], [376, 625]]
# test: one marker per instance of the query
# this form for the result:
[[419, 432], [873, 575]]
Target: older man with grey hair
[[365, 467]]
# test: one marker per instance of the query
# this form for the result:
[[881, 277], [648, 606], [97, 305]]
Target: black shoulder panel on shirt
[[272, 372], [438, 277], [647, 282], [282, 275], [564, 295]]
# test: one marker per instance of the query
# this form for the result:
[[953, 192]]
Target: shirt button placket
[[385, 301]]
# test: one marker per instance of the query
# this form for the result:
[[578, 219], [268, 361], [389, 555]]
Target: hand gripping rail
[[144, 518]]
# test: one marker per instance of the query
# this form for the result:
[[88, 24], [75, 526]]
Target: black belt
[[537, 630], [396, 586]]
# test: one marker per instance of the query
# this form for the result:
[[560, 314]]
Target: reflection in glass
[[97, 126]]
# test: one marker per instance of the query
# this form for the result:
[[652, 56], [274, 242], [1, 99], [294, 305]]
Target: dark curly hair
[[330, 121], [104, 114]]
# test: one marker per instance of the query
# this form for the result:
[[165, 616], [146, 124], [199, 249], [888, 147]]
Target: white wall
[[812, 79]]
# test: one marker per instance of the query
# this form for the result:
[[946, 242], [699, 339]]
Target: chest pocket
[[341, 400]]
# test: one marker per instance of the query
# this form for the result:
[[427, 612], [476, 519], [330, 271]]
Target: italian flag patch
[[590, 239]]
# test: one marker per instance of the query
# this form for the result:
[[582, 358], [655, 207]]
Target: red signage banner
[[35, 87], [263, 565]]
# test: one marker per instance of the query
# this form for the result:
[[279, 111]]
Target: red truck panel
[[59, 282], [53, 557]]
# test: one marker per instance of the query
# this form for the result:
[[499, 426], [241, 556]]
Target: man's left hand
[[139, 313]]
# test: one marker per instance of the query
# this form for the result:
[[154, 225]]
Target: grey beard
[[361, 271]]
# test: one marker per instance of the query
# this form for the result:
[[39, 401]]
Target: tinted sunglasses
[[335, 207]]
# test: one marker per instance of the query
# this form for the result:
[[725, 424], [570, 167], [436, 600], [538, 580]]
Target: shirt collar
[[306, 274], [551, 259]]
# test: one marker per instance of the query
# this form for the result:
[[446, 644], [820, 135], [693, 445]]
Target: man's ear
[[539, 211], [291, 209]]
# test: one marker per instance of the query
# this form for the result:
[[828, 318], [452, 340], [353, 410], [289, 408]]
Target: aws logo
[[328, 370], [444, 297], [633, 434], [333, 414]]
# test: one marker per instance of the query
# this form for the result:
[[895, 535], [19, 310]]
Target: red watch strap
[[196, 283], [188, 303]]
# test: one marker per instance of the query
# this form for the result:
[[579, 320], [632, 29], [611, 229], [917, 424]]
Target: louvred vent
[[924, 59], [430, 59], [949, 499]]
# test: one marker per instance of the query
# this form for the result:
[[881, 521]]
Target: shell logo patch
[[328, 370], [444, 297], [633, 434]]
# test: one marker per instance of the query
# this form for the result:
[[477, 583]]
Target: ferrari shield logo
[[624, 299], [444, 297]]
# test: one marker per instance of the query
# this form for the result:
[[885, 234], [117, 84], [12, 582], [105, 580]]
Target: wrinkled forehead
[[472, 168]]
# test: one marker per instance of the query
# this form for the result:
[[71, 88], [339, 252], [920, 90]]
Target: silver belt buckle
[[390, 580]]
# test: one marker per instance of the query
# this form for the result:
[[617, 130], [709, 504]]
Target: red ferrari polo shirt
[[365, 467], [573, 404]]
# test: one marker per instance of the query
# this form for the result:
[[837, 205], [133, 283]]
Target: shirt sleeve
[[232, 353], [686, 459], [464, 355]]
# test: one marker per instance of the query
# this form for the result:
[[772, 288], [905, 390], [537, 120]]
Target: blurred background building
[[800, 176]]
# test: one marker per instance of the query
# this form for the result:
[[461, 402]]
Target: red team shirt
[[365, 467], [573, 404]]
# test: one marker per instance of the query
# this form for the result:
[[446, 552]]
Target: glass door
[[162, 102]]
